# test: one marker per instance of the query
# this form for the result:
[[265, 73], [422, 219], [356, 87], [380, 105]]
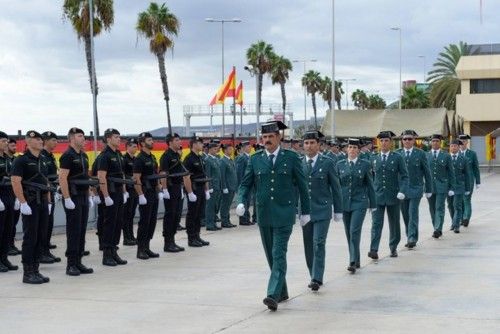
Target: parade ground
[[450, 285]]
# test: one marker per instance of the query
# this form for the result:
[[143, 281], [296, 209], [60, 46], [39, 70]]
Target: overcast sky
[[44, 81]]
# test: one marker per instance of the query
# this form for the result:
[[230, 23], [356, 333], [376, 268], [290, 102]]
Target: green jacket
[[357, 185], [462, 174], [390, 178], [418, 171], [212, 170], [365, 156], [442, 174], [324, 188], [229, 179], [241, 163], [332, 156], [474, 174], [274, 187]]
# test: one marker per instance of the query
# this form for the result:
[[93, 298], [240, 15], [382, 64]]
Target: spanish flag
[[239, 94], [228, 89]]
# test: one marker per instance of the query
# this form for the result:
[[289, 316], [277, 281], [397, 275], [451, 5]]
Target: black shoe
[[373, 255], [152, 254], [45, 279], [107, 258], [46, 259], [129, 242], [270, 303], [283, 298], [435, 234], [465, 222], [407, 245], [29, 276], [202, 242], [228, 225], [357, 267], [245, 224], [3, 268], [13, 251], [214, 228], [352, 268], [217, 219], [118, 259], [141, 254], [412, 244], [51, 246], [87, 253], [194, 243], [456, 230], [394, 253], [440, 233], [84, 269], [314, 286], [56, 259], [5, 261], [181, 249], [170, 247], [72, 271]]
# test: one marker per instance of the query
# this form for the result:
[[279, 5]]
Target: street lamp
[[400, 56], [304, 61], [423, 57], [347, 91], [222, 21]]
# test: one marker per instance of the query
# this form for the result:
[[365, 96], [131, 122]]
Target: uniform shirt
[[111, 162], [78, 166], [170, 162], [128, 164], [31, 168], [94, 165], [275, 154], [5, 168], [314, 159], [145, 164], [194, 165]]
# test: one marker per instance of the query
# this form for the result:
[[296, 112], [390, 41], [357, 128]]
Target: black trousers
[[148, 216], [171, 211], [113, 221], [34, 228], [50, 227], [6, 221], [180, 206], [16, 214], [76, 227], [196, 211], [128, 215], [100, 222]]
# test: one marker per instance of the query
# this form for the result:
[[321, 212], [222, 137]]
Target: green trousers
[[225, 206], [467, 206], [409, 210], [275, 242], [437, 208], [378, 224], [314, 235], [456, 209], [211, 208], [353, 222]]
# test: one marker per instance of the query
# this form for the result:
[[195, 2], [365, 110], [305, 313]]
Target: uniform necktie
[[352, 164], [309, 165], [271, 159], [408, 154], [454, 157], [384, 158], [435, 154]]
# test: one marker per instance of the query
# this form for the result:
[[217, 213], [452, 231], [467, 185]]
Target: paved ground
[[451, 285]]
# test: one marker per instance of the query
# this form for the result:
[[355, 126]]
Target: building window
[[485, 86]]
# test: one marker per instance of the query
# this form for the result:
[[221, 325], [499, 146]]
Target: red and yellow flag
[[228, 89], [239, 94]]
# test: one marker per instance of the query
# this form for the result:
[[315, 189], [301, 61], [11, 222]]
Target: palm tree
[[444, 80], [414, 98], [160, 26], [376, 102], [77, 12], [360, 99], [259, 57], [326, 92], [280, 68], [312, 82]]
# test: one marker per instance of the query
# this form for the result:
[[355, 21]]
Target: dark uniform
[[130, 207], [241, 163], [100, 206]]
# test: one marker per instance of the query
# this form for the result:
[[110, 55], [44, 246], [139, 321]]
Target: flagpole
[[241, 118], [234, 108]]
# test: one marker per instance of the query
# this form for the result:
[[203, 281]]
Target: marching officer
[[197, 192], [147, 187], [130, 206], [11, 154], [229, 184], [77, 200], [324, 190], [275, 172], [212, 171], [31, 187], [365, 152], [474, 176], [419, 181], [443, 183], [390, 182], [462, 185], [333, 152], [358, 194], [241, 163]]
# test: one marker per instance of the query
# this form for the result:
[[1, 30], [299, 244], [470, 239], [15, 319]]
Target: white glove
[[304, 219], [108, 201], [207, 194], [192, 197], [210, 190], [160, 196], [225, 191], [17, 205], [2, 206], [50, 208], [337, 217], [372, 210], [96, 199], [68, 203], [125, 197], [467, 193], [401, 196], [477, 186], [182, 194], [142, 200], [91, 202], [428, 195], [166, 194], [25, 209], [451, 193], [57, 197], [240, 209]]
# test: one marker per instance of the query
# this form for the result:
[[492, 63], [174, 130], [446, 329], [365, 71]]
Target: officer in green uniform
[[474, 176], [295, 146], [443, 183], [324, 190], [343, 151], [275, 172], [333, 150], [366, 153], [390, 181], [462, 185], [241, 163], [418, 172], [212, 171], [358, 194], [229, 184]]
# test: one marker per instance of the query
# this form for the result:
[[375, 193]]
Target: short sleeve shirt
[[194, 165], [111, 162], [170, 162], [30, 168], [77, 164]]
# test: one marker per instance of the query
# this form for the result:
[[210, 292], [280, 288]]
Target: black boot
[[117, 258], [141, 253], [83, 269], [107, 258], [72, 270], [29, 276], [13, 251], [5, 261], [129, 242], [201, 241], [56, 259], [150, 253], [45, 279], [46, 259], [170, 246], [181, 249], [3, 268]]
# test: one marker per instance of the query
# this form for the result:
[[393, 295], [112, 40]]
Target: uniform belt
[[202, 180]]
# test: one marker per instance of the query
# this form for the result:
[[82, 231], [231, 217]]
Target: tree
[[160, 26], [280, 68], [445, 84], [77, 12], [326, 92], [312, 82], [376, 102], [360, 99], [414, 98]]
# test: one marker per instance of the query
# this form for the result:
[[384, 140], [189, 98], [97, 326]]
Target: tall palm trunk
[[88, 56], [313, 98], [283, 99], [163, 77]]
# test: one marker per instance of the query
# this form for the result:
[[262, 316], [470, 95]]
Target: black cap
[[212, 145], [74, 131], [294, 141], [258, 147], [3, 135], [463, 136], [109, 132], [143, 135], [354, 141], [313, 135], [437, 136], [386, 134], [195, 139], [274, 126], [132, 141], [333, 142], [171, 137], [286, 141], [49, 135], [12, 141], [245, 143], [409, 133], [456, 142], [33, 134], [215, 141]]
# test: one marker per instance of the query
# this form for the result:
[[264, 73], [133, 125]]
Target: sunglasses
[[407, 138]]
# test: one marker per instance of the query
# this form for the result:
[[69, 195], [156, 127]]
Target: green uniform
[[241, 163], [324, 190], [229, 184], [275, 202], [358, 194], [333, 156], [390, 178], [365, 156], [418, 172], [462, 185], [212, 170], [443, 180], [474, 177]]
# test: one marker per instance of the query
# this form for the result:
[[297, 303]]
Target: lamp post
[[423, 57], [332, 97], [400, 58], [304, 61], [222, 21], [347, 91]]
